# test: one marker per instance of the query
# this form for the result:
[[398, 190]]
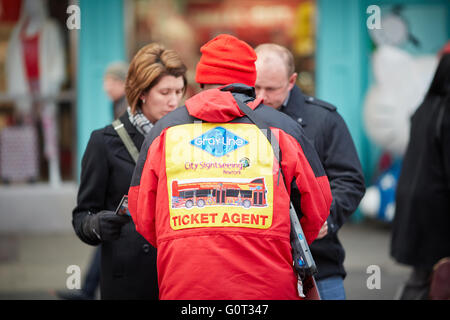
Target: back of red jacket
[[208, 193]]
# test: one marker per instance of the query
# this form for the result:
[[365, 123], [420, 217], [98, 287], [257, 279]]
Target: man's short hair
[[118, 70], [281, 51]]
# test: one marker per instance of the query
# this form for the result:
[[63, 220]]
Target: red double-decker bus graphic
[[212, 193]]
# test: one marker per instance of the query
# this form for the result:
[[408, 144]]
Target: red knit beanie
[[226, 59]]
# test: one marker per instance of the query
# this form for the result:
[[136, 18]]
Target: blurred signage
[[253, 21]]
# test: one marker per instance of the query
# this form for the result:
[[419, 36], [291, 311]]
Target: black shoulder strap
[[304, 262], [262, 125]]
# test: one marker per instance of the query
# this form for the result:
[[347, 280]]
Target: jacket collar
[[127, 124], [137, 137], [295, 105], [219, 104], [241, 91]]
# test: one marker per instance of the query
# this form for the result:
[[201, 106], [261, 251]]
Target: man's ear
[[292, 80]]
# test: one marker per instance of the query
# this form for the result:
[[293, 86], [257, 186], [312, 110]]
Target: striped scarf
[[142, 124]]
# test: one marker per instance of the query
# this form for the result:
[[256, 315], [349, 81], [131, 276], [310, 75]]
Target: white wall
[[37, 208]]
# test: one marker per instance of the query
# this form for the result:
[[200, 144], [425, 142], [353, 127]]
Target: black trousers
[[92, 280]]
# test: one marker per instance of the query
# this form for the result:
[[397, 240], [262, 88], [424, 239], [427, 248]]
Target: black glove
[[104, 225]]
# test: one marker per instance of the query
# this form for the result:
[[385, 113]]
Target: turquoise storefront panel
[[101, 41], [343, 65], [343, 58]]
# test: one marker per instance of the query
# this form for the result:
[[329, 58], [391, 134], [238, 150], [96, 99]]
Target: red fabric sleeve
[[314, 190]]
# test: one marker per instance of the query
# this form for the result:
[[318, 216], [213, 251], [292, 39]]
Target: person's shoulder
[[110, 129], [99, 135], [273, 115], [314, 102], [96, 144], [107, 130], [176, 117], [280, 120], [324, 112], [179, 115], [96, 140]]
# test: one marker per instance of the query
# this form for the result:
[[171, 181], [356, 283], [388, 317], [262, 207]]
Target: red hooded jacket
[[207, 192]]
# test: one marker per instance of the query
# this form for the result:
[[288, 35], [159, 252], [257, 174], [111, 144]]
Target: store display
[[35, 71], [19, 154]]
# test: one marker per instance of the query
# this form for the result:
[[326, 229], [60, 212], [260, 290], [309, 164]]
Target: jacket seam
[[278, 237]]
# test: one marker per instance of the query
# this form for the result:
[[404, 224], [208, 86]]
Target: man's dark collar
[[241, 91], [240, 88]]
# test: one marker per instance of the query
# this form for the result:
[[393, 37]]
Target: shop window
[[186, 25], [37, 97]]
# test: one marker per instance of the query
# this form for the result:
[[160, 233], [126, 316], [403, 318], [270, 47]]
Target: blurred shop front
[[37, 94], [48, 112], [375, 60], [37, 108], [186, 25]]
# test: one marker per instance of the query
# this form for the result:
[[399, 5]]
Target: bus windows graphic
[[219, 193]]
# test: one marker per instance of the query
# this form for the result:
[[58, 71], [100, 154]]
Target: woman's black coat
[[421, 234], [128, 265]]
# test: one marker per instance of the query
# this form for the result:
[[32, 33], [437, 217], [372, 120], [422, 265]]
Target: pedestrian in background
[[114, 86], [218, 235], [155, 85], [421, 235], [275, 84]]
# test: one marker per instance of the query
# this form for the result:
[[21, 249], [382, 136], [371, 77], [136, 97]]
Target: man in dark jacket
[[275, 84]]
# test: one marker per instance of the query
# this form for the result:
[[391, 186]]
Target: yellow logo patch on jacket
[[219, 175]]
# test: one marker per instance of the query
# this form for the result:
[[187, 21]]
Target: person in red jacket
[[209, 193]]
